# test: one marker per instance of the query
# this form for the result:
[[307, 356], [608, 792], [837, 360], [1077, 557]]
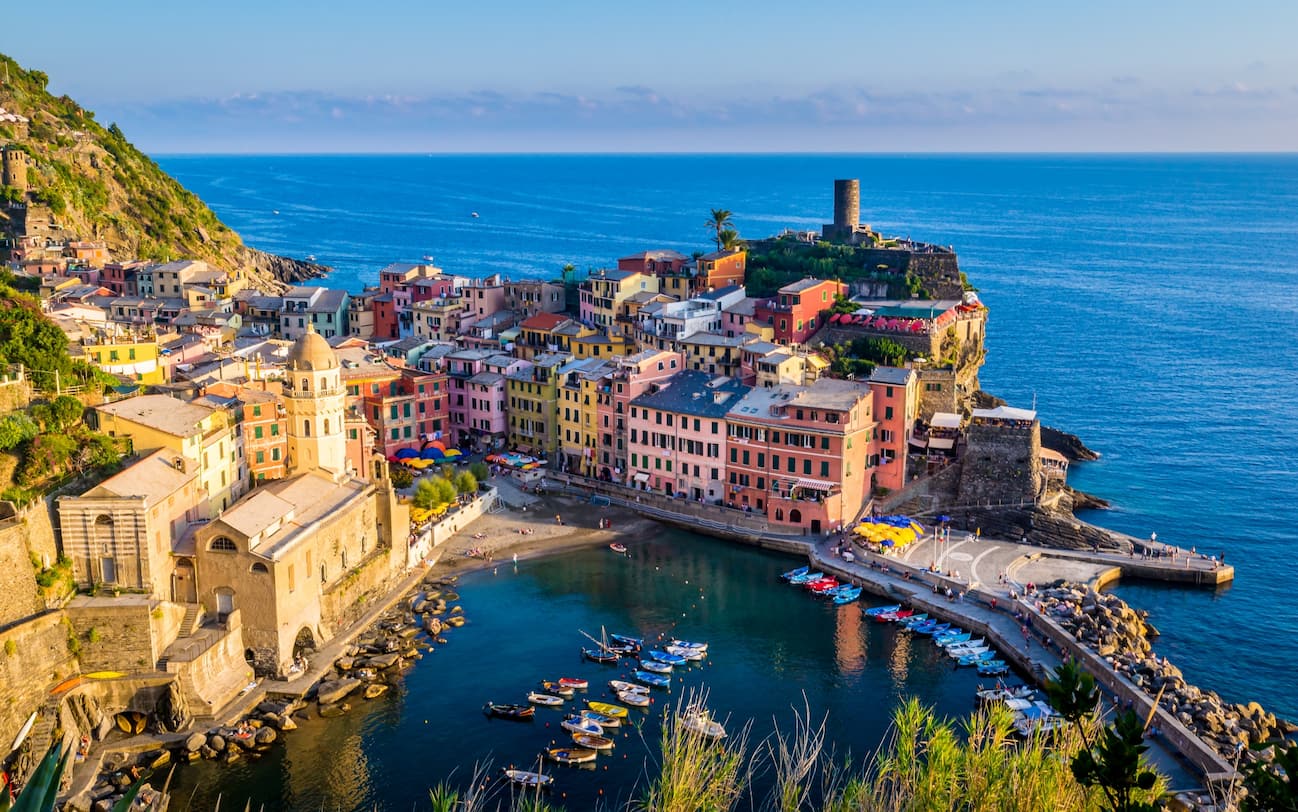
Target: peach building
[[896, 404]]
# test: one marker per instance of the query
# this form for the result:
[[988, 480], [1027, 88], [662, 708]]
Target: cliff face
[[86, 181]]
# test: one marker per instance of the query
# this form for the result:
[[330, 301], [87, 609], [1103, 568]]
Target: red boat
[[820, 582], [888, 617], [620, 549], [825, 586], [573, 682]]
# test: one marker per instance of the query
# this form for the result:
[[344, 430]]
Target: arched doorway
[[304, 645], [795, 516], [184, 588], [105, 545]]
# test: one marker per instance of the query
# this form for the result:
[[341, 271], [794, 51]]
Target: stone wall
[[347, 599], [14, 395], [216, 675], [25, 536], [938, 392], [34, 656], [115, 634], [1002, 465]]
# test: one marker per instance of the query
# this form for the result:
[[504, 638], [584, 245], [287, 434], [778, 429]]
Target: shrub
[[480, 471], [466, 482], [401, 477]]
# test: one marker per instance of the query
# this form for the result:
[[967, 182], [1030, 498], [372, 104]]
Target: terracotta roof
[[544, 321]]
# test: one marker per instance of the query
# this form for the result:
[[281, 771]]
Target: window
[[806, 467], [222, 544], [261, 457], [256, 411], [824, 469], [887, 412], [261, 568], [256, 432]]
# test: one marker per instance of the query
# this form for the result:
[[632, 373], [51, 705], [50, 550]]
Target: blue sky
[[823, 75]]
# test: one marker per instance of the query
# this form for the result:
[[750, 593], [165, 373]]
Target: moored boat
[[570, 755], [600, 719], [526, 778], [517, 713], [949, 640], [602, 656], [700, 721], [580, 724], [538, 698], [914, 620], [806, 576], [691, 654], [846, 596], [664, 657], [593, 742], [557, 689], [620, 549], [795, 573], [608, 709], [627, 640], [619, 686], [634, 698], [993, 668], [574, 683], [652, 680], [933, 629], [879, 610], [688, 644], [975, 659], [655, 666]]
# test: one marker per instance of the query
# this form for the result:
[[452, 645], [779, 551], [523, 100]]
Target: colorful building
[[603, 293], [532, 390], [130, 354], [798, 309], [896, 405]]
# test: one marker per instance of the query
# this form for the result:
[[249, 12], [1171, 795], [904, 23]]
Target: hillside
[[89, 182]]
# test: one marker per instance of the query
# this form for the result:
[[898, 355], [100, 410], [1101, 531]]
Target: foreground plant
[[696, 774]]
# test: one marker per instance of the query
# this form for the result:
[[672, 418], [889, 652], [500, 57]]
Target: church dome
[[312, 352]]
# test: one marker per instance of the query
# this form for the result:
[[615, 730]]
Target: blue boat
[[993, 668], [795, 573], [664, 657], [847, 596], [806, 576], [655, 680], [913, 621], [931, 630], [952, 636], [703, 647], [655, 666], [627, 640], [974, 659], [879, 610]]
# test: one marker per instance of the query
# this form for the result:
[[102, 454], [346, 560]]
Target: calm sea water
[[771, 645], [1146, 303]]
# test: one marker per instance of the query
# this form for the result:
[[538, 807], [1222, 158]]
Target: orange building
[[263, 427], [801, 455], [722, 268]]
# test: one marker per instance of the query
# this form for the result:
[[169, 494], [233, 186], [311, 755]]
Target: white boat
[[538, 698], [622, 686], [634, 698], [526, 778], [701, 722], [655, 667], [960, 654], [22, 734], [580, 724], [691, 654], [473, 214], [689, 644]]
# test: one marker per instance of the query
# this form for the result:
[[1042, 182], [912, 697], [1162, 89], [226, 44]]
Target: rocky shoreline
[[1108, 626]]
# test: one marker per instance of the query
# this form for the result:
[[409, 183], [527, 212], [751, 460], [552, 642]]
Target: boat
[[570, 755], [687, 644], [635, 699], [655, 666], [954, 647], [932, 630], [947, 640], [806, 576], [517, 713], [893, 617], [600, 719], [104, 675], [525, 778], [593, 742], [605, 656], [580, 724], [557, 689], [701, 722], [310, 257], [879, 610], [274, 211], [22, 734], [618, 548], [823, 585], [627, 640], [968, 652], [652, 680], [795, 573], [691, 654], [538, 698], [664, 657], [993, 668], [623, 649], [914, 620], [843, 598], [975, 659], [613, 711], [575, 683], [473, 214], [1002, 693], [622, 685], [847, 596]]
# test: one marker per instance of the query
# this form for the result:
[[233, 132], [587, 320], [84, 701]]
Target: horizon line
[[734, 153]]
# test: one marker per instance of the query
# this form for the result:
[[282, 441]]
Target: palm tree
[[720, 222], [728, 238]]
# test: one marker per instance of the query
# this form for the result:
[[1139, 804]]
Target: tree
[[480, 471], [466, 482], [1114, 762], [16, 429], [720, 222], [67, 411], [401, 477], [729, 238], [425, 494]]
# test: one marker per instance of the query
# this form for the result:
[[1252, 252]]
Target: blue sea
[[1146, 303]]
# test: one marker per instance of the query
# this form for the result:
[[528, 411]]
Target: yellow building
[[602, 345], [133, 356], [533, 399], [577, 415], [204, 436], [605, 291]]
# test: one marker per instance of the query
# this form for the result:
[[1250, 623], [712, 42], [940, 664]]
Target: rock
[[105, 727], [383, 660], [265, 736], [232, 755], [287, 723], [330, 711], [457, 621], [195, 742], [102, 805], [419, 606], [207, 752], [216, 742], [375, 690], [253, 723], [345, 663], [457, 610], [329, 693], [273, 720]]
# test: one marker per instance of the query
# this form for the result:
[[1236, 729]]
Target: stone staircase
[[192, 620], [47, 723]]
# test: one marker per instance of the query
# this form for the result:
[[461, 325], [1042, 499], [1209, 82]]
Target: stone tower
[[13, 168], [313, 397], [847, 205]]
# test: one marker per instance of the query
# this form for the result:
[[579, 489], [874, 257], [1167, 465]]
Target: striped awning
[[816, 484], [641, 476]]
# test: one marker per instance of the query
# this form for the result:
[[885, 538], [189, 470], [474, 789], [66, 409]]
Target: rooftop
[[657, 255], [297, 502], [720, 293], [1005, 413], [713, 340], [165, 414], [806, 283], [695, 393], [892, 376], [153, 478]]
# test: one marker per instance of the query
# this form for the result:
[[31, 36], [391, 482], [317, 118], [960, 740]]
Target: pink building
[[896, 404], [677, 436], [736, 316], [476, 382], [631, 377]]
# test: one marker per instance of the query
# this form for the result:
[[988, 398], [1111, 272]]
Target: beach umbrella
[[453, 452], [888, 543], [431, 453], [944, 518], [407, 453], [438, 444], [393, 458]]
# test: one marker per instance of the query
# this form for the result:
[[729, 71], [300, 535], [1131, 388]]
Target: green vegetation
[[721, 222], [1273, 786], [480, 471], [859, 358], [11, 648], [401, 477], [95, 181], [466, 482], [433, 492], [777, 262], [30, 339]]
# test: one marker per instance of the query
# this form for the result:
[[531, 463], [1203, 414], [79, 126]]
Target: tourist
[[993, 604], [558, 519]]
